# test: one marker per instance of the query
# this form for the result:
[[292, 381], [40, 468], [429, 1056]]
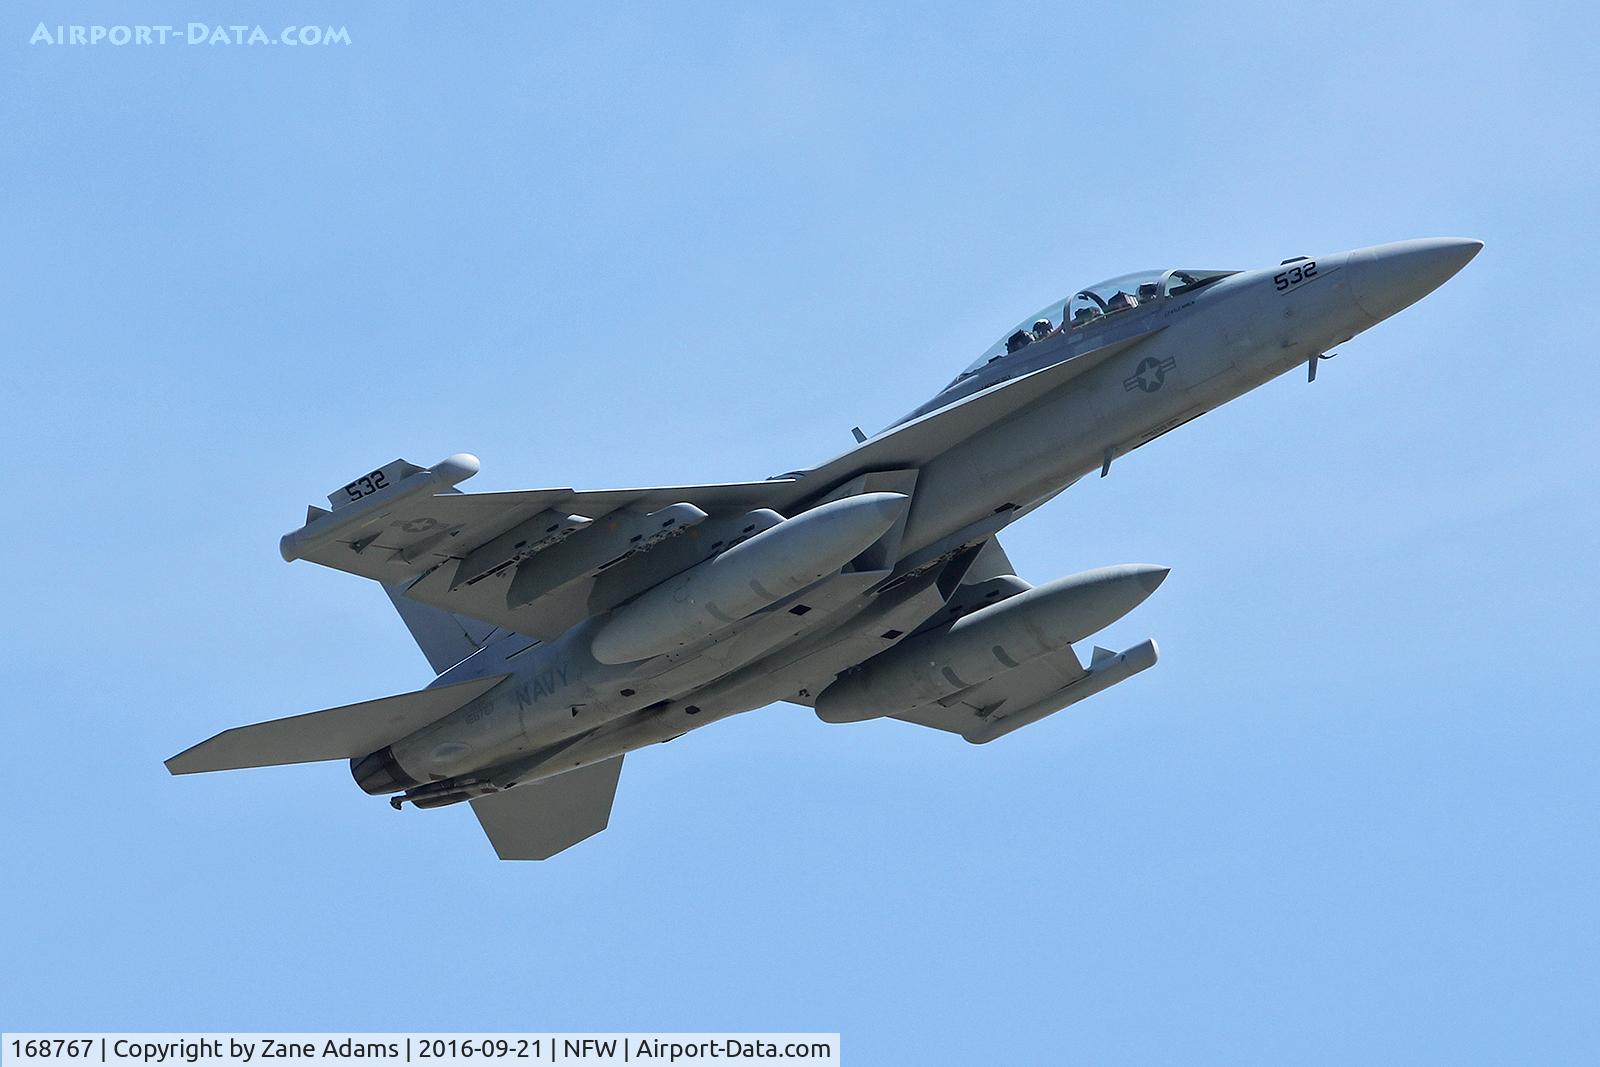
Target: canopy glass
[[1088, 307]]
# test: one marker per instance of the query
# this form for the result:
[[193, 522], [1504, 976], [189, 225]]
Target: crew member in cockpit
[[1042, 329]]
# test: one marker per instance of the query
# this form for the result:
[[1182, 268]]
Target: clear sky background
[[1351, 816]]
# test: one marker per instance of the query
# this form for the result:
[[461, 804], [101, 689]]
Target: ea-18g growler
[[568, 628]]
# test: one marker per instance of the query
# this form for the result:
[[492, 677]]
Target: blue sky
[[1350, 817]]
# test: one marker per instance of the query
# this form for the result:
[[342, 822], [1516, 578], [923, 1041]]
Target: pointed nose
[[1150, 575], [1386, 279], [886, 506]]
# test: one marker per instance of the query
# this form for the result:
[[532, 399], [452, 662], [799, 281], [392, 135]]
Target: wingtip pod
[[373, 496], [456, 468]]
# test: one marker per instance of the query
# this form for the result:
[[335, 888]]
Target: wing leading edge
[[524, 561]]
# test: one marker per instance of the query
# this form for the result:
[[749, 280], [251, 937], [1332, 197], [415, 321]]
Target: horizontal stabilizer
[[337, 733], [537, 820]]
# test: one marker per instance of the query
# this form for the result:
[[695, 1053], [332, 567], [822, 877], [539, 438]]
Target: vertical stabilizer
[[537, 820]]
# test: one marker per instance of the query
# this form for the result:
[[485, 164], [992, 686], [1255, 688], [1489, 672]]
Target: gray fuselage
[[1159, 364]]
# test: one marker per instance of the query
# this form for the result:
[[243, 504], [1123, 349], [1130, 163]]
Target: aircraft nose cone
[[1386, 279]]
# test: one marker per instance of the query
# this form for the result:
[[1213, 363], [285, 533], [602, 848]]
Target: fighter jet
[[568, 627]]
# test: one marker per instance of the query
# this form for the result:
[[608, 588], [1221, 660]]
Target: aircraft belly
[[811, 661], [560, 692]]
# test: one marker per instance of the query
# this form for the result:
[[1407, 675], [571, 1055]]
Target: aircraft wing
[[410, 529], [537, 820]]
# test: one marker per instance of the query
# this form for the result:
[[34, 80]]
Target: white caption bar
[[426, 1050]]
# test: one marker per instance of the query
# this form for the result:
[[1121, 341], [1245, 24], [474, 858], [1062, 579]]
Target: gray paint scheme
[[337, 733], [531, 606], [542, 818], [444, 637]]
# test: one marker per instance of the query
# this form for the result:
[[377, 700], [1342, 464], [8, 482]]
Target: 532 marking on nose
[[1294, 275]]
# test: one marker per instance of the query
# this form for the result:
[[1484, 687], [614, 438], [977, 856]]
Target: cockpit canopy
[[1096, 304]]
